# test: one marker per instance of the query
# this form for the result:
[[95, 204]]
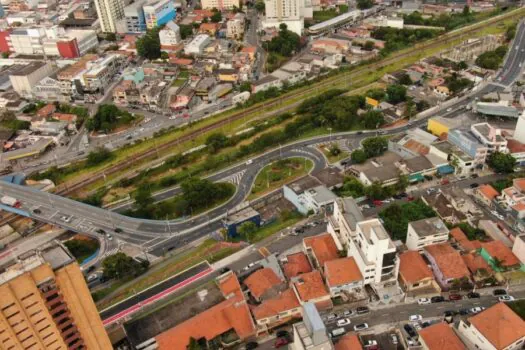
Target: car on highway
[[361, 310], [454, 297], [109, 237], [101, 231], [423, 301], [473, 295], [498, 292], [505, 298], [476, 310], [360, 327], [37, 211], [65, 218], [249, 161], [343, 322], [415, 318], [437, 299], [411, 331], [331, 317]]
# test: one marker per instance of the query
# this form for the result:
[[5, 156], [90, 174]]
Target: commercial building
[[26, 78], [197, 45], [495, 109], [109, 12], [466, 142], [134, 17], [440, 126], [220, 4], [288, 12], [169, 36], [311, 333], [415, 276], [490, 137], [99, 73], [426, 232], [497, 328], [46, 304], [519, 131], [235, 26], [158, 12]]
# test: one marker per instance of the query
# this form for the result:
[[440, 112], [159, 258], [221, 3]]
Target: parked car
[[505, 298], [445, 182], [474, 176], [464, 312], [347, 313], [101, 231], [118, 230], [331, 317], [473, 295], [454, 297], [415, 318], [377, 203], [423, 301], [474, 185], [337, 332], [476, 310], [37, 211], [437, 299], [425, 324], [343, 322], [361, 310], [498, 292], [281, 342], [283, 333], [411, 331], [360, 327], [251, 345]]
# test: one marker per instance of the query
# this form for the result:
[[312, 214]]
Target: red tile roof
[[262, 280], [413, 268], [448, 260], [462, 239], [519, 184], [349, 341], [47, 110], [497, 249], [229, 285], [310, 286], [341, 271], [515, 146], [500, 325], [323, 247], [65, 117], [488, 191], [297, 264], [440, 336], [476, 262], [285, 301]]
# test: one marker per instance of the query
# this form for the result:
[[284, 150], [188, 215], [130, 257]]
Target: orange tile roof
[[229, 314], [297, 264], [413, 268], [285, 301], [66, 117], [500, 325], [181, 61], [249, 49], [448, 260], [416, 147], [341, 271], [519, 184], [519, 207], [440, 336], [46, 110], [229, 285], [349, 341], [462, 239], [497, 249], [209, 26], [488, 191], [475, 262], [323, 247], [310, 286], [515, 146], [262, 280]]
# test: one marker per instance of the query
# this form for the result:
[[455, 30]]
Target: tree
[[501, 162], [334, 149], [405, 79], [286, 43], [358, 156], [376, 191], [120, 265], [194, 344], [397, 216], [364, 4], [376, 94], [164, 55], [369, 45], [396, 93], [143, 197], [81, 248], [373, 119], [260, 6], [352, 187], [98, 156], [374, 146], [216, 141], [246, 86], [186, 30], [216, 17], [111, 37], [148, 46], [411, 108], [247, 229]]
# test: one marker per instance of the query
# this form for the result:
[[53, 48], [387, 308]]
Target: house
[[309, 287], [320, 249], [228, 75], [514, 194], [307, 194], [264, 284], [65, 117], [497, 328], [277, 310], [343, 277], [266, 83], [478, 267], [486, 193], [209, 28], [447, 265], [415, 276], [499, 256], [462, 241], [425, 232], [439, 202], [349, 341], [46, 111], [440, 336], [296, 264]]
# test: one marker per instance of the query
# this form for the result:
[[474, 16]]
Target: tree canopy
[[108, 117], [375, 146], [285, 43], [358, 156], [397, 216], [396, 93], [148, 46], [364, 4], [492, 59], [216, 141], [120, 265], [502, 162]]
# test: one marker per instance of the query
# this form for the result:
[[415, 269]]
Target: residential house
[[415, 276], [309, 287], [461, 240], [443, 207], [209, 28], [46, 111], [499, 256], [183, 99], [514, 194], [486, 194], [343, 277], [426, 232], [447, 265], [264, 284], [295, 265], [235, 26], [320, 249], [478, 267], [440, 336], [266, 83], [65, 117], [497, 328], [277, 310], [120, 92]]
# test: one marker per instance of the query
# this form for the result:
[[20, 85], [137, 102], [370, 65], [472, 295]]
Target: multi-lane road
[[156, 236]]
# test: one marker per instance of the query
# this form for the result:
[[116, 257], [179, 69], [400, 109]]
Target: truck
[[10, 201]]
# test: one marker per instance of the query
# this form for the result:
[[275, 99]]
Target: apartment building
[[490, 137], [342, 223], [235, 26], [311, 333], [158, 13], [289, 12], [466, 142], [169, 36], [26, 78], [221, 5], [46, 304], [425, 232], [99, 73], [134, 17], [109, 12]]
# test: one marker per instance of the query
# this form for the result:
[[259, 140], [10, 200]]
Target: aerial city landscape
[[242, 174]]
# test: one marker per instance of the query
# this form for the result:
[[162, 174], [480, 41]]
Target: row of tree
[[108, 118]]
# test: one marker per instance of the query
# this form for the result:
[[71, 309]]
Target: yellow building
[[45, 304], [440, 126]]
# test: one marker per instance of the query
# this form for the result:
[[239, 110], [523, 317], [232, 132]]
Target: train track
[[70, 188]]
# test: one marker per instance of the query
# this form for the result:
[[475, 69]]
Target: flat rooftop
[[429, 227], [303, 184], [29, 68]]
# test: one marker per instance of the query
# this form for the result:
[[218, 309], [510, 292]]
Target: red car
[[410, 198], [445, 182], [454, 297], [280, 342], [377, 203]]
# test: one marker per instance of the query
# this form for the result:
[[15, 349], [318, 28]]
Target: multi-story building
[[426, 232], [26, 78], [235, 26], [46, 304], [466, 142], [219, 4], [169, 36], [134, 16], [311, 333], [289, 12], [99, 73], [197, 45], [109, 12], [158, 12], [490, 137]]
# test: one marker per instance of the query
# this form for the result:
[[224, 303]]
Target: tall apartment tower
[[45, 304], [289, 12], [109, 12]]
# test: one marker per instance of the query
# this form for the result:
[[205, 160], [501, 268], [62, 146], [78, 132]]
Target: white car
[[92, 277], [360, 327], [449, 109], [343, 322], [371, 343], [249, 161], [476, 310], [172, 117], [415, 318], [424, 301], [506, 298]]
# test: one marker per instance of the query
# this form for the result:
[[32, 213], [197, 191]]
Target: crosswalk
[[235, 179]]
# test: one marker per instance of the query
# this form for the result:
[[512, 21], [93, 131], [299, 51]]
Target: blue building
[[134, 15], [159, 12], [232, 222]]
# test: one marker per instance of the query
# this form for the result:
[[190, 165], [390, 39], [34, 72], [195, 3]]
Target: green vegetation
[[109, 118], [82, 248], [397, 39], [333, 153], [375, 146], [518, 306], [286, 219], [247, 229], [472, 233], [260, 6], [492, 59], [359, 156], [500, 185], [15, 124], [448, 21], [364, 4], [325, 15], [276, 174], [120, 265], [217, 16], [396, 93], [501, 162], [397, 216], [456, 84], [284, 45], [148, 45], [98, 156], [352, 187], [186, 30]]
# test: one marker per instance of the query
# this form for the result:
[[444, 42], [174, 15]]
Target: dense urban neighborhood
[[242, 174]]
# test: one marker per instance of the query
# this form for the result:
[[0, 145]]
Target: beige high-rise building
[[289, 12], [109, 12], [45, 304], [219, 4]]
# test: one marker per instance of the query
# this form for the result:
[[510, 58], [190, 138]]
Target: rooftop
[[475, 262], [413, 268], [29, 68], [329, 176], [321, 194], [488, 191], [229, 285], [429, 227], [441, 336], [297, 264], [499, 325], [323, 247], [349, 341], [460, 237], [341, 271], [261, 281], [417, 164], [350, 211], [498, 250], [448, 260], [310, 286], [302, 184], [285, 301]]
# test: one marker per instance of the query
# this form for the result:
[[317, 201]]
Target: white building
[[519, 132], [219, 4], [27, 41], [109, 12], [235, 27], [343, 222], [197, 45], [490, 137], [99, 73], [425, 232], [316, 199], [311, 333], [289, 12], [169, 36], [26, 78]]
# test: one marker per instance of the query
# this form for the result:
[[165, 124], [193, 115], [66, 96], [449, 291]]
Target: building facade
[[426, 232], [134, 16], [169, 36], [109, 12], [289, 12], [159, 13], [219, 4]]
